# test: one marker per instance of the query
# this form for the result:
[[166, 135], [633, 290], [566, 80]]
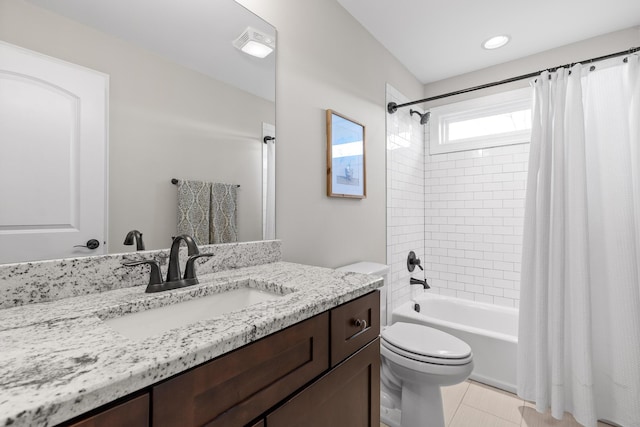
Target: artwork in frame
[[346, 166]]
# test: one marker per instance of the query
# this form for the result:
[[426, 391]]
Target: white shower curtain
[[579, 337]]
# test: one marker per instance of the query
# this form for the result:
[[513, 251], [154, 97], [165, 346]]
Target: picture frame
[[346, 157]]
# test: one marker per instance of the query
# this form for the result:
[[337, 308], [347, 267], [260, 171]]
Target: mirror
[[183, 102]]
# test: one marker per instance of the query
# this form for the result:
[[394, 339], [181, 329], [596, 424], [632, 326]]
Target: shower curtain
[[579, 332]]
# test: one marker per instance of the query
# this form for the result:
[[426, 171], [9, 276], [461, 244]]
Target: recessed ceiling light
[[496, 42]]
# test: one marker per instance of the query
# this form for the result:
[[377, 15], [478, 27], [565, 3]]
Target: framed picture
[[346, 166]]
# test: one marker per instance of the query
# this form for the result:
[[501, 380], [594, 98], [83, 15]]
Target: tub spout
[[424, 283]]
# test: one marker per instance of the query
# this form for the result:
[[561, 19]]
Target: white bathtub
[[491, 331]]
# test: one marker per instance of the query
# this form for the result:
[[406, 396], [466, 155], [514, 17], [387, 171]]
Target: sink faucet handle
[[189, 270], [155, 278]]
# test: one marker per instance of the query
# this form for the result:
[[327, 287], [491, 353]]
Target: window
[[490, 121]]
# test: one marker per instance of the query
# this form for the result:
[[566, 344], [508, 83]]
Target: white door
[[53, 162]]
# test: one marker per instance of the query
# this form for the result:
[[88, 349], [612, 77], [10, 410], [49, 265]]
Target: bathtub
[[490, 330]]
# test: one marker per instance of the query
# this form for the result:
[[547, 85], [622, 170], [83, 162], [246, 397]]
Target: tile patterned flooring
[[472, 404]]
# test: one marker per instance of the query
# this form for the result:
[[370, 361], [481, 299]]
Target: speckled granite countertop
[[58, 359]]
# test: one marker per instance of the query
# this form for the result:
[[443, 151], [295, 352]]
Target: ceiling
[[196, 34], [436, 40]]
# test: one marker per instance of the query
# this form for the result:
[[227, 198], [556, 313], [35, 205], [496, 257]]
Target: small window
[[490, 121]]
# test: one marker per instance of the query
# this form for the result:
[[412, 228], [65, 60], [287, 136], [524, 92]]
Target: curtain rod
[[392, 107]]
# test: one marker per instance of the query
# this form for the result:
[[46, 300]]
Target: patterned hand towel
[[223, 213], [193, 209]]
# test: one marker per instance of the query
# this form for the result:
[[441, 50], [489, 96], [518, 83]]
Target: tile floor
[[471, 404]]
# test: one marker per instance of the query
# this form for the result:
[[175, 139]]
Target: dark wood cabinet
[[238, 387], [132, 413], [323, 371], [347, 396], [353, 325]]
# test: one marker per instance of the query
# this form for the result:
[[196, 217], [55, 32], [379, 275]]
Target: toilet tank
[[375, 269]]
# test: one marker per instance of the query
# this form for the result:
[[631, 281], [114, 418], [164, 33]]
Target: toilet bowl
[[416, 361]]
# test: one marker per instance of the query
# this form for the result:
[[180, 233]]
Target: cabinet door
[[238, 387], [132, 413], [348, 396], [353, 325]]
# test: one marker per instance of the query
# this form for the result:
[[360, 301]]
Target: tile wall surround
[[474, 210], [405, 197], [462, 213], [42, 281]]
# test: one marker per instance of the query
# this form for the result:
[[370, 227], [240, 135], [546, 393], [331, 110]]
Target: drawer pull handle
[[361, 323]]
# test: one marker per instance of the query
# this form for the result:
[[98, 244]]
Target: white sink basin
[[155, 321]]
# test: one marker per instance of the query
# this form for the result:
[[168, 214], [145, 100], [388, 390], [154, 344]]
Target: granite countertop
[[59, 360]]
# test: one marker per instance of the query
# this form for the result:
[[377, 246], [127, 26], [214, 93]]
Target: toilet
[[416, 361]]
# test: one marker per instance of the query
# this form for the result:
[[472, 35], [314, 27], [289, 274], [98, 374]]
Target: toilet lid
[[425, 341]]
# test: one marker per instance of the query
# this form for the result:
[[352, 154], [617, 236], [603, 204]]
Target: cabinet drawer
[[347, 396], [353, 325], [238, 387], [132, 413]]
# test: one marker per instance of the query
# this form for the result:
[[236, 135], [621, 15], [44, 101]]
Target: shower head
[[424, 118]]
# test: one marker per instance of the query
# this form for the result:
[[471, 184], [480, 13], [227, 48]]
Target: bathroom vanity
[[309, 357], [289, 378]]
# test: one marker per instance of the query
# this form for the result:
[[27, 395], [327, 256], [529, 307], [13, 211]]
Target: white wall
[[405, 197], [326, 59], [165, 122]]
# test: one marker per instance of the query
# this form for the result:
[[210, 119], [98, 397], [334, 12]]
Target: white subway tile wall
[[462, 213], [474, 216], [405, 196]]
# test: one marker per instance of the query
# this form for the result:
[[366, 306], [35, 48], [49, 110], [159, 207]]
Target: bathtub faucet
[[424, 283]]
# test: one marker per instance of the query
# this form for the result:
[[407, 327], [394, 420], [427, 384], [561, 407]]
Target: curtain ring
[[592, 68]]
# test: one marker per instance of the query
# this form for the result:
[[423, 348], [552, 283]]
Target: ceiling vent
[[255, 43]]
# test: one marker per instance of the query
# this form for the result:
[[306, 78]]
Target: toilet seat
[[424, 344], [425, 359]]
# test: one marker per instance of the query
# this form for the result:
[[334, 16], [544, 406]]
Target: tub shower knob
[[413, 261], [360, 323]]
